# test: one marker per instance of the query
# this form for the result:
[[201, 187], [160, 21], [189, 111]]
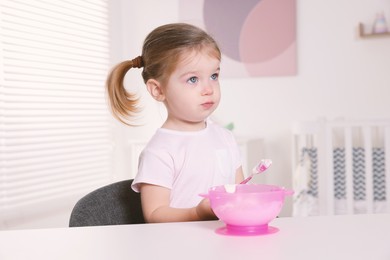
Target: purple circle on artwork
[[251, 31], [224, 20]]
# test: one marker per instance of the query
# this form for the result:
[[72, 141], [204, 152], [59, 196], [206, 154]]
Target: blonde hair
[[161, 52]]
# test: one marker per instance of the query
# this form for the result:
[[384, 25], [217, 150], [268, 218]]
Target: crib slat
[[387, 166], [299, 141], [348, 170], [368, 168], [329, 170], [323, 172]]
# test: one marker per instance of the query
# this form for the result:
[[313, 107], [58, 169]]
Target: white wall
[[339, 75]]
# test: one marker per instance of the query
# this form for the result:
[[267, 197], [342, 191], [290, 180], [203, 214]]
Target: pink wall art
[[257, 37]]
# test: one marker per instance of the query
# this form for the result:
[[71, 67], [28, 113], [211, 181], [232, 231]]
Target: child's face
[[192, 92]]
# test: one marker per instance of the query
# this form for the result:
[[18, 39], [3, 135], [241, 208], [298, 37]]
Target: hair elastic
[[137, 62]]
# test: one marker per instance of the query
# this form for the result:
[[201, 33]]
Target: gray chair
[[114, 204]]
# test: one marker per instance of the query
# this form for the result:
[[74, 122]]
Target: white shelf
[[364, 34]]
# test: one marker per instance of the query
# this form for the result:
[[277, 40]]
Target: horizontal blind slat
[[25, 77], [25, 152], [12, 92], [20, 113], [76, 169], [18, 65], [49, 130], [61, 104], [34, 166], [71, 46], [42, 12], [40, 60], [20, 184], [14, 142], [83, 8], [22, 35], [60, 190], [83, 90]]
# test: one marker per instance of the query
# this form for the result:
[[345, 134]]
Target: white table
[[331, 237]]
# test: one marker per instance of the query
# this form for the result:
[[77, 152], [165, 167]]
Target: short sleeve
[[155, 167]]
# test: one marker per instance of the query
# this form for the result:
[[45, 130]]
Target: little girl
[[188, 154]]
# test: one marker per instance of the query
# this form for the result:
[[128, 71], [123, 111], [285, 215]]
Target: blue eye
[[214, 76], [192, 80]]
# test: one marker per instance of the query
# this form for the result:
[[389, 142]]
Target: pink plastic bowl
[[249, 209]]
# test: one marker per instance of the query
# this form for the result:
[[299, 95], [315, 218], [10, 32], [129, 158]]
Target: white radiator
[[341, 167]]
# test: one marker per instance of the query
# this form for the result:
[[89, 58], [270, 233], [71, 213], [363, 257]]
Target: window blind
[[55, 133]]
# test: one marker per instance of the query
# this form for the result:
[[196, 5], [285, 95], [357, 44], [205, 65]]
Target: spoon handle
[[259, 168], [247, 179]]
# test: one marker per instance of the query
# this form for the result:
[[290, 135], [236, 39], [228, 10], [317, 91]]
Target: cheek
[[178, 101], [217, 92]]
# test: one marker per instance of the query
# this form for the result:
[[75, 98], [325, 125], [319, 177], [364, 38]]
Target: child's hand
[[204, 211]]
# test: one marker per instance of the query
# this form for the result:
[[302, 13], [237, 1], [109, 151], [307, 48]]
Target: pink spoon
[[262, 166]]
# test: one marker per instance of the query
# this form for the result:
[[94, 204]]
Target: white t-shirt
[[189, 163]]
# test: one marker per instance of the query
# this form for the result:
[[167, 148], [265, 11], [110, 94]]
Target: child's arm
[[155, 206]]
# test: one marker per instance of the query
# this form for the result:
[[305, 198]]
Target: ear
[[155, 90]]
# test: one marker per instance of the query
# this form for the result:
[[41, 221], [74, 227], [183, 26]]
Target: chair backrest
[[114, 204]]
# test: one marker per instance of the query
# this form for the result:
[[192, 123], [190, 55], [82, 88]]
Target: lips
[[208, 105]]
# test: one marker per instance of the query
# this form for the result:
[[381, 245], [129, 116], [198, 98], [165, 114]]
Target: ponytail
[[123, 105]]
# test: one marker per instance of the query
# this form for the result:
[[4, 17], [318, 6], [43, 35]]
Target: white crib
[[341, 167]]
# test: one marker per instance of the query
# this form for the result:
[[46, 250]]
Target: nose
[[207, 90]]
